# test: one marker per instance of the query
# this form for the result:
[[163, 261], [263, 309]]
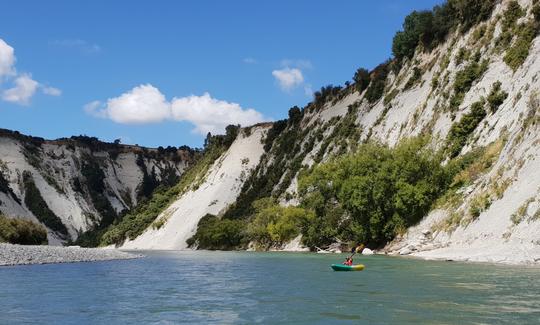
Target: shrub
[[378, 82], [512, 13], [415, 27], [496, 97], [465, 78], [462, 55], [361, 79], [460, 131], [372, 195], [22, 232], [274, 225], [218, 234], [519, 51], [37, 205], [429, 28]]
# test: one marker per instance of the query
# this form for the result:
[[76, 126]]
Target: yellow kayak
[[341, 267]]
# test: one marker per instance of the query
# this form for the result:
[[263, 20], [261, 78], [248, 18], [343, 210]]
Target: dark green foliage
[[295, 115], [361, 79], [519, 51], [372, 195], [218, 234], [536, 12], [414, 79], [471, 12], [430, 28], [465, 79], [274, 225], [5, 188], [273, 133], [325, 95], [231, 132], [35, 203], [462, 55], [21, 232], [496, 97], [416, 29], [512, 13], [149, 181], [94, 176], [378, 82], [460, 131]]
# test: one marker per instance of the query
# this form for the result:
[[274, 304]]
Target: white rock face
[[295, 245], [220, 188], [55, 166], [367, 251]]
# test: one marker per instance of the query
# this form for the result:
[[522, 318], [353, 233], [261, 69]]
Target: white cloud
[[212, 115], [79, 45], [143, 104], [288, 78], [25, 88], [95, 109], [146, 104], [7, 60], [51, 91]]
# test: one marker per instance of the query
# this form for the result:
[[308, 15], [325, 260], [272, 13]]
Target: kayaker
[[348, 261]]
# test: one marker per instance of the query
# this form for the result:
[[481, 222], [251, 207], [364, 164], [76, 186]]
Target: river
[[268, 288]]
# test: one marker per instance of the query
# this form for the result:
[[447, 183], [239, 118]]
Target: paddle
[[355, 250]]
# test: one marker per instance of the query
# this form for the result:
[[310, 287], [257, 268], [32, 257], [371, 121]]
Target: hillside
[[433, 153], [79, 184], [470, 86]]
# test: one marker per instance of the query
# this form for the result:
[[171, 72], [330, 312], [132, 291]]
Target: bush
[[519, 51], [37, 205], [361, 79], [274, 225], [416, 27], [512, 13], [460, 131], [496, 97], [218, 234], [22, 232], [372, 195], [429, 28], [378, 82]]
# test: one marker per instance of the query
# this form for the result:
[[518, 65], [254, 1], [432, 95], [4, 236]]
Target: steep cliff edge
[[461, 97], [75, 185], [214, 190]]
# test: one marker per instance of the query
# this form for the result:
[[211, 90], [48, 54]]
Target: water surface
[[268, 288]]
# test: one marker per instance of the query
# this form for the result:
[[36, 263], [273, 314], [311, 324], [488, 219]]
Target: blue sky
[[166, 72]]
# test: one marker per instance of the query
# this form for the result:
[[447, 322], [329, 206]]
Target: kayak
[[341, 267]]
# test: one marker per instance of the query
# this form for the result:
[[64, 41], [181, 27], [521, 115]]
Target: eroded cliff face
[[212, 192], [74, 185], [466, 93]]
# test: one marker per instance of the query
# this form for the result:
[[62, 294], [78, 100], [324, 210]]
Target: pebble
[[22, 255]]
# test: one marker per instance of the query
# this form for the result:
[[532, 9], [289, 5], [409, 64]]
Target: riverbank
[[24, 255]]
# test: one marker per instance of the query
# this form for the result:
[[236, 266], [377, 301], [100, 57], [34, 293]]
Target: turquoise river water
[[268, 288]]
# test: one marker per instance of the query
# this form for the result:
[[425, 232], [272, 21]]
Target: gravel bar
[[22, 255]]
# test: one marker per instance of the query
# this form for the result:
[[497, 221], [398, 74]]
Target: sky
[[159, 73]]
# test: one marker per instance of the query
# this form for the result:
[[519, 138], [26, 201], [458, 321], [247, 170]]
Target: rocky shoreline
[[24, 255]]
